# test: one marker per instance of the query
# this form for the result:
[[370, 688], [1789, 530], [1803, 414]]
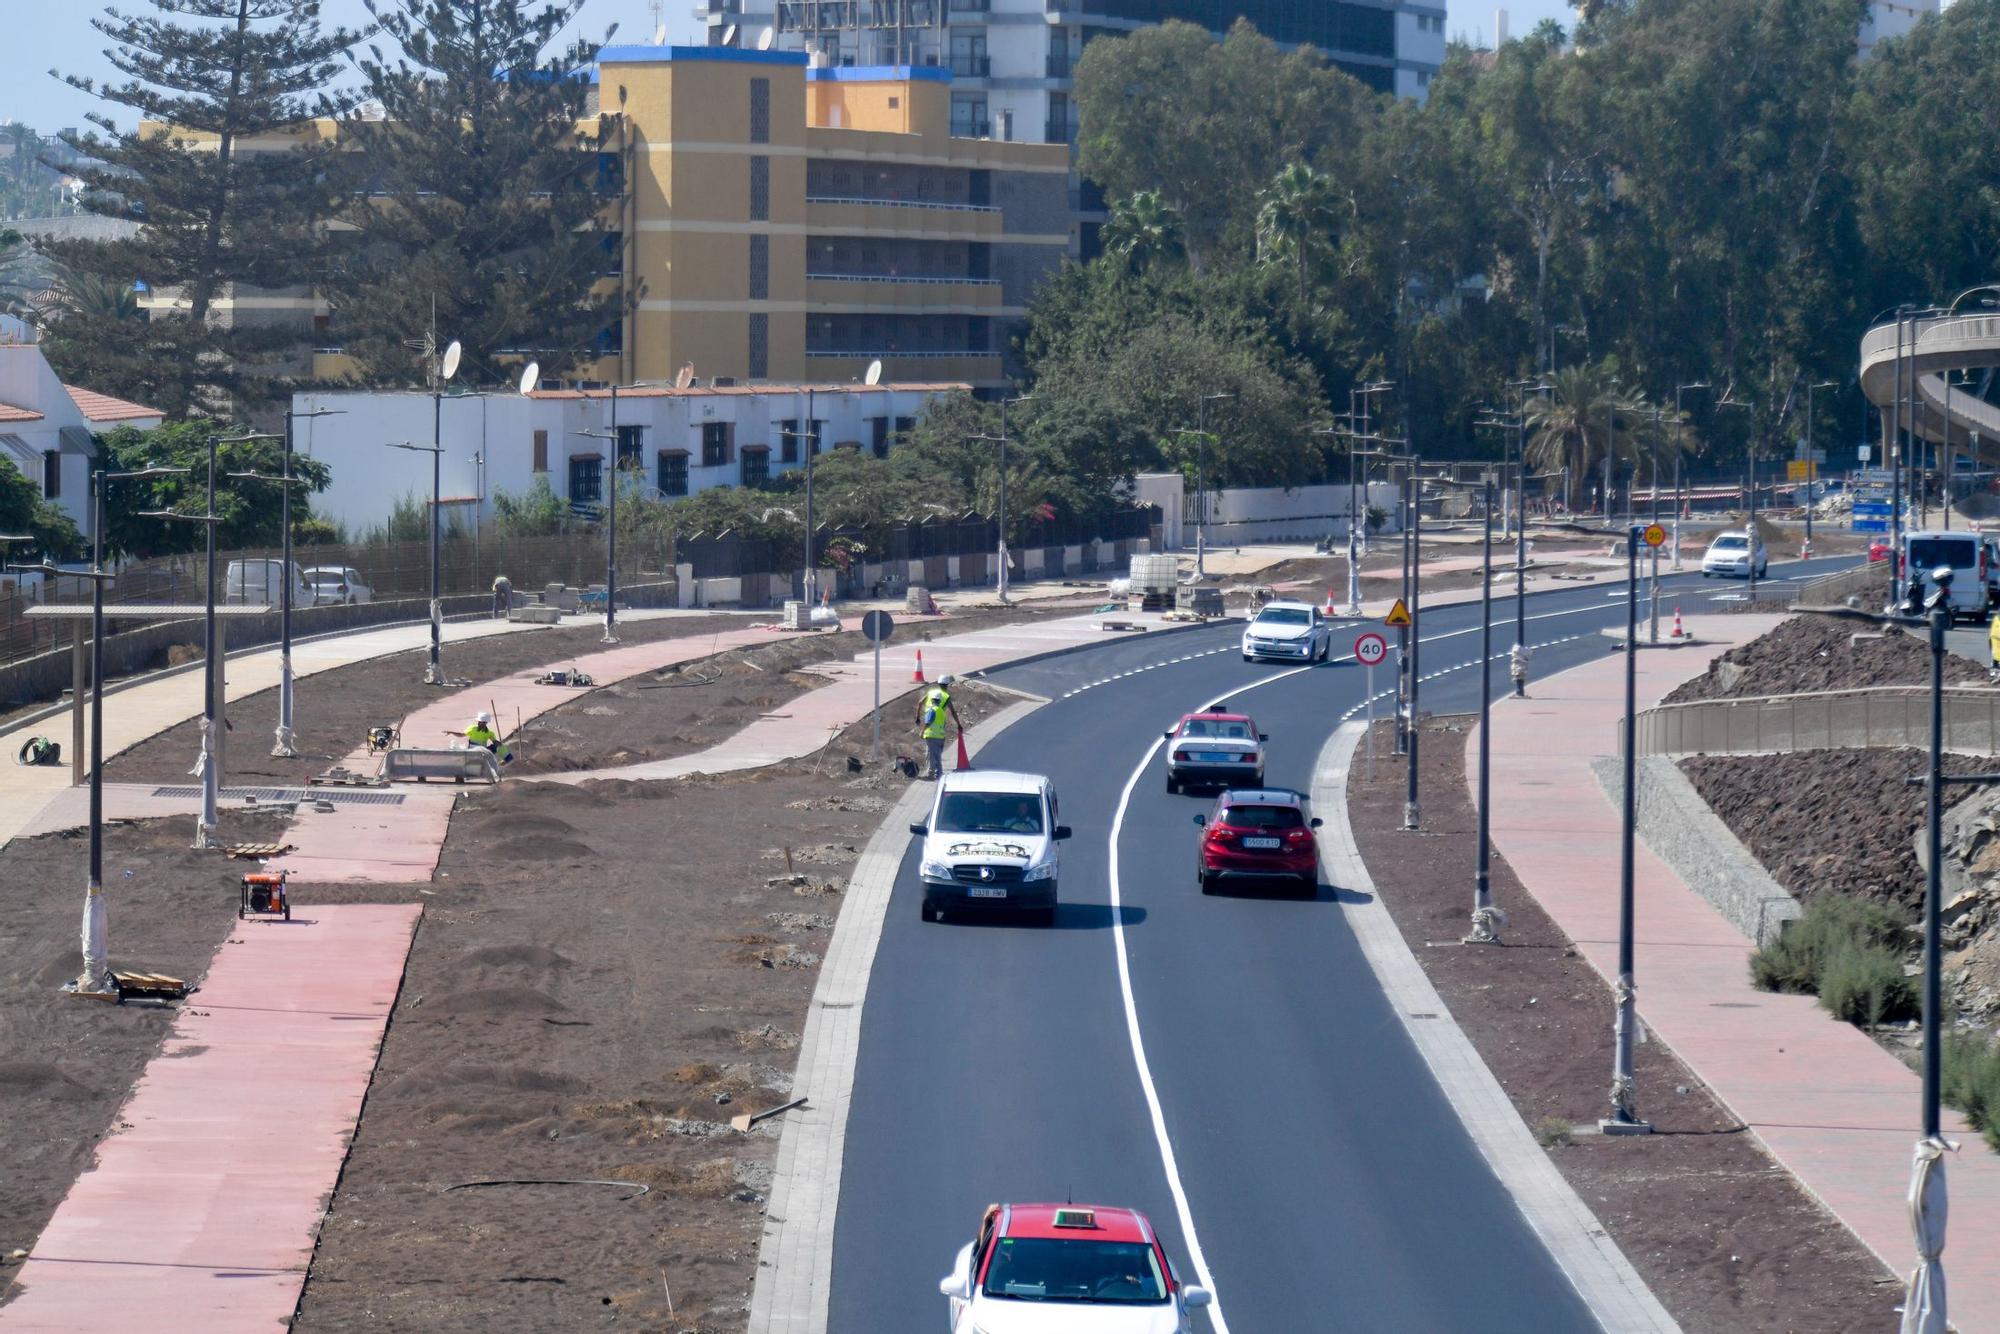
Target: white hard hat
[[484, 717], [946, 679]]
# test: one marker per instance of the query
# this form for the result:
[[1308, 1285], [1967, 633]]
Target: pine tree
[[480, 212], [204, 76]]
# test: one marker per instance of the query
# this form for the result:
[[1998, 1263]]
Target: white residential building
[[1885, 19], [681, 440], [49, 429]]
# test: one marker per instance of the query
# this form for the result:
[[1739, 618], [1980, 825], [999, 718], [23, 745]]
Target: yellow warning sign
[[1398, 614], [1655, 535]]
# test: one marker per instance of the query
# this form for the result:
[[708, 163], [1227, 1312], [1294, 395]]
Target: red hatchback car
[[1258, 834]]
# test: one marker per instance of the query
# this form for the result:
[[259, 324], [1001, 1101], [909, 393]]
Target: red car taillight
[[1298, 838]]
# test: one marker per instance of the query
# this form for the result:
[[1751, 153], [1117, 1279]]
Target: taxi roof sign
[[1068, 1217], [1398, 614]]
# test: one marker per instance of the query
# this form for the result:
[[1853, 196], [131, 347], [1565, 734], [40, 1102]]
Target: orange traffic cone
[[1678, 632], [1327, 610], [964, 760], [918, 675]]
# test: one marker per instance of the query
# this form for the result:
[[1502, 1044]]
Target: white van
[[1970, 556], [262, 583], [991, 842]]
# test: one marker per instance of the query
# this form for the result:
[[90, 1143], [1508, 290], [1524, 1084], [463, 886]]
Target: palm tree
[[1295, 219], [96, 296], [1581, 422], [16, 285], [1144, 229]]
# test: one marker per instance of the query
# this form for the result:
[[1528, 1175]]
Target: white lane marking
[[1167, 1159]]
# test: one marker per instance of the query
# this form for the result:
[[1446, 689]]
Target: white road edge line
[[1612, 1290], [1167, 1159]]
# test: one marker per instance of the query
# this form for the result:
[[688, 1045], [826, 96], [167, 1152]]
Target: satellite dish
[[686, 376], [449, 366], [728, 35], [874, 375], [531, 377], [765, 38], [660, 36]]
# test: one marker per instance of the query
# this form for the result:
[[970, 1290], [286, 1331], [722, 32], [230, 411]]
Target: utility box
[[1199, 599]]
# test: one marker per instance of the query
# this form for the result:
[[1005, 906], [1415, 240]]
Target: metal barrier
[[1884, 716], [1868, 581], [472, 765]]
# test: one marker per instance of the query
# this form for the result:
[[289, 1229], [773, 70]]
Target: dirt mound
[[1828, 821], [543, 850], [43, 1079], [1807, 654], [517, 956], [539, 824], [491, 1001]]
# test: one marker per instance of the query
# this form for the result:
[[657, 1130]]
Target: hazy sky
[[42, 36]]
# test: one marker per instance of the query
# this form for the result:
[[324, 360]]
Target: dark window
[[51, 473], [878, 432], [760, 270], [788, 440], [674, 473], [756, 467], [760, 111], [586, 481], [629, 445], [818, 434], [714, 444], [541, 451], [905, 427], [760, 346], [760, 189]]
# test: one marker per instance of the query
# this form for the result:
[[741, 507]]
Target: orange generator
[[265, 892]]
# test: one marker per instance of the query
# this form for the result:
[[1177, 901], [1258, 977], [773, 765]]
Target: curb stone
[[795, 1256], [1588, 1257]]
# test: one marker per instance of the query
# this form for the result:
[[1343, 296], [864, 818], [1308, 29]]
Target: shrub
[[1553, 1132], [1864, 984], [1970, 1075], [1832, 923]]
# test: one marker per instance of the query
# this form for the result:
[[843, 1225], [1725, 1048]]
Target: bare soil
[[70, 1063], [1724, 1237], [1808, 654], [697, 704], [588, 999]]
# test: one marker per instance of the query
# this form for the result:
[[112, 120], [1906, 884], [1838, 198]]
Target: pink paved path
[[203, 1207], [1837, 1110]]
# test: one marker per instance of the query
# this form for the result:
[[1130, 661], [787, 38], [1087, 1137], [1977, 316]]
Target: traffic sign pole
[[877, 626], [1370, 648], [1369, 697]]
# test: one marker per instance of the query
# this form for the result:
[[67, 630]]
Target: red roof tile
[[104, 408], [10, 413]]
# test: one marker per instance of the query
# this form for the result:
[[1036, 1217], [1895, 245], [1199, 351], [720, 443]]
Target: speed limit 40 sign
[[1370, 648]]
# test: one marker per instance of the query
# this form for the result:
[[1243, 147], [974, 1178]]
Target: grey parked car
[[337, 585]]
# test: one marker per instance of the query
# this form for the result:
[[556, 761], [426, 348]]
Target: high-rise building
[[1012, 62]]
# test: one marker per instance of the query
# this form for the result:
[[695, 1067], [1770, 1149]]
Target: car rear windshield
[[1285, 616], [326, 576], [1731, 543], [1261, 817], [990, 813], [1224, 728], [1057, 1269], [1927, 553]]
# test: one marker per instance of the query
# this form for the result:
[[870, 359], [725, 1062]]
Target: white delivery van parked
[[262, 583], [1968, 555]]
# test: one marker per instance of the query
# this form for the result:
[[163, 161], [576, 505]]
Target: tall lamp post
[[1517, 660], [1486, 919], [1000, 525], [442, 371], [1750, 451], [284, 745], [1201, 484], [1623, 1120], [1679, 453]]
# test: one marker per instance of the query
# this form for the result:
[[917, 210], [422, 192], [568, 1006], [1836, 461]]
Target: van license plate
[[986, 892], [1262, 843]]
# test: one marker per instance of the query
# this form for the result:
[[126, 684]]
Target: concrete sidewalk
[[1839, 1112]]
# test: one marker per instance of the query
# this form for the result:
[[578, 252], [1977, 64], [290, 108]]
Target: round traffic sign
[[876, 626], [1655, 534], [1370, 648]]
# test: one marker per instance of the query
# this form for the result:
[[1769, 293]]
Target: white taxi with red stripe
[[1067, 1269]]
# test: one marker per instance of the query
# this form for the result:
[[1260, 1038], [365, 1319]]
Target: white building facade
[[680, 441]]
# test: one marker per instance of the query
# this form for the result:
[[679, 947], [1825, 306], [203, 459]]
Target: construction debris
[[256, 852], [747, 1121]]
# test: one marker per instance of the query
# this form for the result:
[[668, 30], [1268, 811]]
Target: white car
[[337, 585], [990, 842], [1288, 631], [1728, 556], [1067, 1269]]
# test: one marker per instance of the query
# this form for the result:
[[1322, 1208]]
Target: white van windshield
[[990, 813]]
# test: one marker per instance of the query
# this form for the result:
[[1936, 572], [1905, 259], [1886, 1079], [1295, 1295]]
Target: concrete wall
[[1260, 514]]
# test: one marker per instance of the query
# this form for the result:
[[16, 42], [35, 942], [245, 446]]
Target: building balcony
[[910, 218], [1058, 132], [897, 292], [971, 67], [972, 127]]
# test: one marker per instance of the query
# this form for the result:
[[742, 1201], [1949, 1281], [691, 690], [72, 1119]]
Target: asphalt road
[[1283, 1112]]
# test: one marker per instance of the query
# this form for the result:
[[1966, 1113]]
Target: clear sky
[[41, 37]]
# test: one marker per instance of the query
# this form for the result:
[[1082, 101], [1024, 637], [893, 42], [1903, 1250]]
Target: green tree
[[23, 513], [203, 76], [16, 274], [1297, 217], [536, 512], [250, 509], [1144, 230], [477, 214]]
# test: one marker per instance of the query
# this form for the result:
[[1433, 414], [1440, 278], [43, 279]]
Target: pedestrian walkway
[[1838, 1111], [201, 1210]]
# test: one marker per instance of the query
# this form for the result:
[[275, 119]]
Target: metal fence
[[1884, 716]]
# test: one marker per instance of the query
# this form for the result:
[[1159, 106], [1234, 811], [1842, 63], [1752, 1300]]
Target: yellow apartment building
[[778, 222]]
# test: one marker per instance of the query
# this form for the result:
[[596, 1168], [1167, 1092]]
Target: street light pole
[[1201, 483], [1623, 1120], [1485, 917], [1410, 808], [611, 530], [1679, 422], [211, 769], [1001, 526], [284, 745]]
